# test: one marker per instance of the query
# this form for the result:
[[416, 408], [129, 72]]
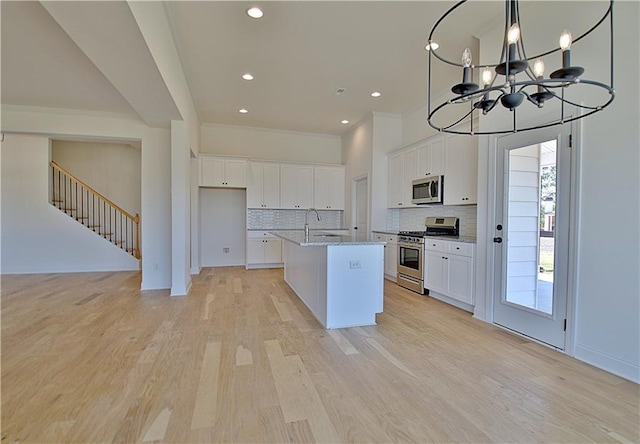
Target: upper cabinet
[[431, 158], [401, 173], [455, 157], [328, 188], [263, 185], [222, 172], [296, 186], [461, 170]]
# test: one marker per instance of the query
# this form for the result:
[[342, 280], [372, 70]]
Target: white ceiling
[[300, 52]]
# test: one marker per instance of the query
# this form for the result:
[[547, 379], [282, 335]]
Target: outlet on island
[[355, 264], [225, 249]]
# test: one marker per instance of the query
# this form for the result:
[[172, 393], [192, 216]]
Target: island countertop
[[321, 238]]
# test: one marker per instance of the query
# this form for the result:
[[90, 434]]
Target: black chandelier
[[514, 78]]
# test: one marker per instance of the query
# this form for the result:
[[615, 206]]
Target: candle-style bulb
[[466, 58], [513, 35], [538, 68], [565, 40], [487, 76]]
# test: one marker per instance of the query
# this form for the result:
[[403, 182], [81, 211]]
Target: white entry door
[[531, 243]]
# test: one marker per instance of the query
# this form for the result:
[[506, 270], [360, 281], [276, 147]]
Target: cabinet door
[[394, 180], [211, 172], [328, 188], [304, 187], [410, 169], [336, 189], [271, 185], [321, 188], [435, 276], [255, 189], [255, 251], [288, 186], [235, 173], [461, 171], [391, 259], [461, 278], [272, 251], [424, 161], [436, 157]]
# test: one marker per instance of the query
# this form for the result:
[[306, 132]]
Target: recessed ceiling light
[[375, 94], [255, 12], [247, 76], [344, 122], [243, 111], [432, 45]]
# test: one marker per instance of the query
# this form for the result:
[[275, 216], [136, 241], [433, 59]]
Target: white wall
[[608, 305], [155, 227], [223, 214], [357, 152], [267, 144], [156, 31], [156, 209], [36, 236], [387, 134], [606, 324], [112, 169]]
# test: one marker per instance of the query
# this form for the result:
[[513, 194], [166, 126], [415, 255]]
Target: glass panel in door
[[530, 227]]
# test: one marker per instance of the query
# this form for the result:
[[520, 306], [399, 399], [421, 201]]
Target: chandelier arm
[[458, 121]]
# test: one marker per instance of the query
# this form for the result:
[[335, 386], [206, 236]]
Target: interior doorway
[[360, 208], [531, 237]]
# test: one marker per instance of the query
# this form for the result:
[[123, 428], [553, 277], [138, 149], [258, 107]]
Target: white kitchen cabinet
[[263, 185], [222, 172], [401, 173], [264, 250], [390, 254], [461, 170], [449, 269], [296, 186], [328, 188], [431, 158]]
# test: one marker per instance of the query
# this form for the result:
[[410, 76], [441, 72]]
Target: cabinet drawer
[[391, 238], [435, 245], [260, 235], [460, 248]]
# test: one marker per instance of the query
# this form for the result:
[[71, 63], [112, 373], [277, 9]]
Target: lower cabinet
[[449, 269], [390, 254], [264, 250]]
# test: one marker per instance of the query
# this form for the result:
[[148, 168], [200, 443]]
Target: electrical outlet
[[355, 264], [225, 249]]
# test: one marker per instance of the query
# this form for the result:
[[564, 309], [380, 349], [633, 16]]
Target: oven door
[[410, 260]]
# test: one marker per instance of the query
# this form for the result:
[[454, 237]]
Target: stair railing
[[95, 211]]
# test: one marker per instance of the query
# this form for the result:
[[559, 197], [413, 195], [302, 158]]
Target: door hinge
[[570, 140], [565, 325]]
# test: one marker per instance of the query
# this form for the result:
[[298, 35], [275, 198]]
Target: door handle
[[497, 240]]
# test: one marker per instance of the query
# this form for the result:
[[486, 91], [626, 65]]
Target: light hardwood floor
[[89, 358]]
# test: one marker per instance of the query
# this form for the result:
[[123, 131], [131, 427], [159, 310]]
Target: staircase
[[93, 210]]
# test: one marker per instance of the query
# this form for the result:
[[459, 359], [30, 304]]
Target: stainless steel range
[[411, 250]]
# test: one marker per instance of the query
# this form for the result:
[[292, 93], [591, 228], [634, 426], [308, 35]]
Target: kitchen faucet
[[306, 220]]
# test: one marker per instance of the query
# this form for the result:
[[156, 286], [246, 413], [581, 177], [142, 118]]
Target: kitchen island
[[338, 277]]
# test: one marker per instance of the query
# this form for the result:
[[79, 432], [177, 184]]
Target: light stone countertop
[[320, 238], [465, 239]]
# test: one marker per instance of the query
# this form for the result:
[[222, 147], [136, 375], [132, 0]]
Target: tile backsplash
[[292, 219], [414, 218]]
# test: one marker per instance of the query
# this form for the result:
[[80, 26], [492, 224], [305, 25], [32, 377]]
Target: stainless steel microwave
[[427, 190]]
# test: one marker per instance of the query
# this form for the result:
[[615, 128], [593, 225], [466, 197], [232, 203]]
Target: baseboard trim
[[604, 361]]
